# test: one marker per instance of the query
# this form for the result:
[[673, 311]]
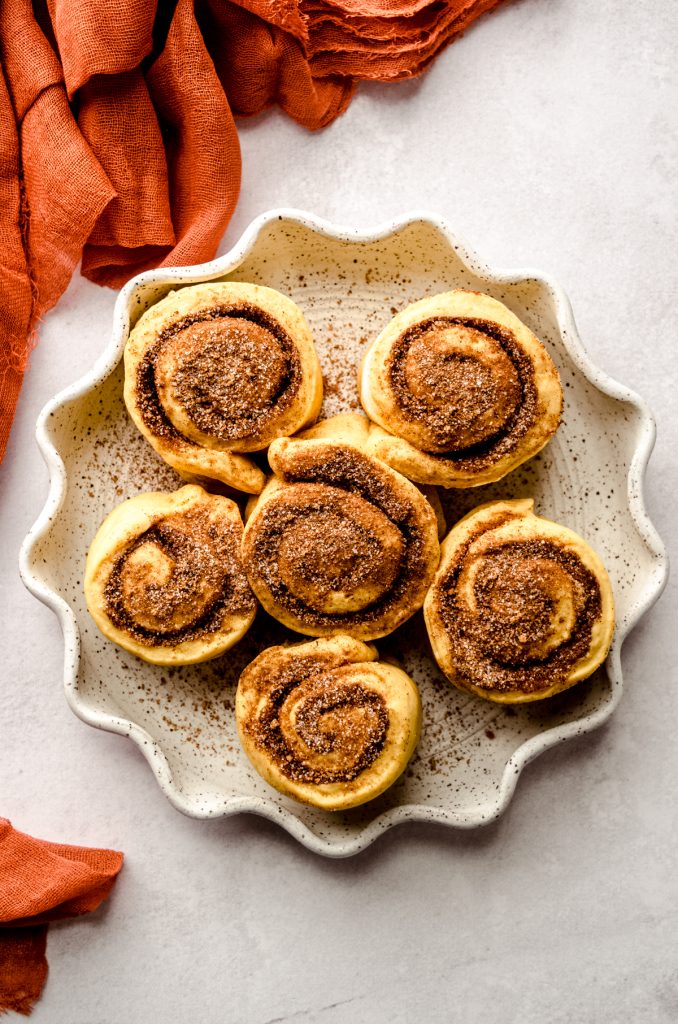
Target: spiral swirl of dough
[[521, 608], [338, 541], [460, 391], [164, 577], [218, 370], [325, 722]]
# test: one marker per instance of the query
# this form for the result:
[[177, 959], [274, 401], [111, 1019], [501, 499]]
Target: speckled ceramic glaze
[[349, 284]]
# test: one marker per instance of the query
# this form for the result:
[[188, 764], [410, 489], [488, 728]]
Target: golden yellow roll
[[326, 723], [215, 371], [459, 390], [338, 541], [520, 608], [164, 578]]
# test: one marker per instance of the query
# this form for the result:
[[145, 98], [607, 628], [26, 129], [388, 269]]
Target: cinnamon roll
[[459, 390], [164, 578], [520, 608], [218, 370], [326, 723], [338, 541]]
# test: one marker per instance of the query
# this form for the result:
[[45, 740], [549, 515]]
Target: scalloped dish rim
[[268, 808]]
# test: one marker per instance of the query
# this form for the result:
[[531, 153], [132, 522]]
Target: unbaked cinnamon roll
[[460, 391], [218, 370], [164, 577], [520, 608], [326, 723], [338, 541]]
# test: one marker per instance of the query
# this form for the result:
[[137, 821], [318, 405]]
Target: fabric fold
[[42, 882]]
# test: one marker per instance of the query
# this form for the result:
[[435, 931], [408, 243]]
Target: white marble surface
[[546, 136]]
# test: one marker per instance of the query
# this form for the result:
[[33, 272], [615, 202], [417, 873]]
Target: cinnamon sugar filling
[[345, 552], [468, 385], [319, 725], [231, 369], [178, 580], [529, 616]]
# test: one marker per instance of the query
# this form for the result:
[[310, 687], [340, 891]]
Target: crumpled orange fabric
[[42, 882], [118, 145]]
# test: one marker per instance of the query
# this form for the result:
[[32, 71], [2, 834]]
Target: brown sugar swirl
[[459, 390], [164, 578], [521, 608], [338, 541], [216, 371], [325, 722]]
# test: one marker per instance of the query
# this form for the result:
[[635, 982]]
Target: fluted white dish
[[348, 283]]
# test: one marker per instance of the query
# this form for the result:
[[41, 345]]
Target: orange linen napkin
[[42, 882], [117, 140]]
